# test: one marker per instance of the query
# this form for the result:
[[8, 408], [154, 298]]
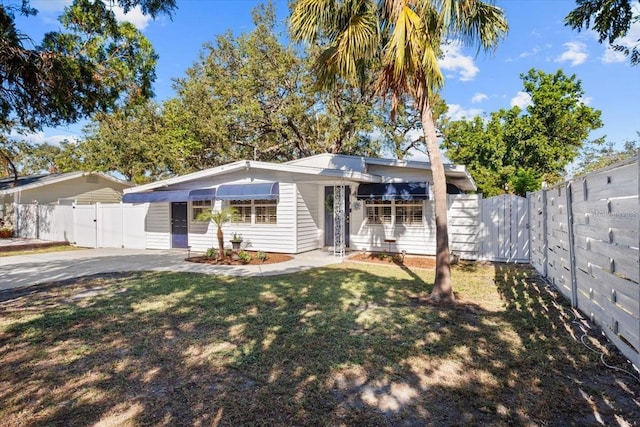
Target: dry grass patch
[[345, 345]]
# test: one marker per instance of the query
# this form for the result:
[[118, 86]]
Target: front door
[[328, 216], [179, 236]]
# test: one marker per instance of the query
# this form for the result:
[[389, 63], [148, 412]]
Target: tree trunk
[[220, 244], [12, 166], [442, 288]]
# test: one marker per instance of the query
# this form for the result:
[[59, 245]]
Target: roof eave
[[63, 178], [249, 164]]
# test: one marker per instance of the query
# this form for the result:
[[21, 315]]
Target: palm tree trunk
[[220, 244], [442, 288]]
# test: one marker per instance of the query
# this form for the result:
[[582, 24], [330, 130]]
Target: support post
[[338, 220], [572, 249]]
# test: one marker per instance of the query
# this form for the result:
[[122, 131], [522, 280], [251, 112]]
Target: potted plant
[[236, 240]]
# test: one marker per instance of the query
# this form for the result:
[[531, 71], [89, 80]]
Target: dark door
[[179, 236], [328, 216]]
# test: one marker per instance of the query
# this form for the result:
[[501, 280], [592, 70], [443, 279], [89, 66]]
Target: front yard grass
[[349, 344]]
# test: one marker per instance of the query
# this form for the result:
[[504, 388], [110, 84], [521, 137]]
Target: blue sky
[[474, 85]]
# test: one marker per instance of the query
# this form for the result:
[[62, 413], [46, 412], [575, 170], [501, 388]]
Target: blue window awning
[[394, 191], [170, 196], [202, 194], [157, 196], [253, 191]]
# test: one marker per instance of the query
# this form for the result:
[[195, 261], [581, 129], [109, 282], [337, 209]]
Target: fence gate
[[504, 234], [85, 230]]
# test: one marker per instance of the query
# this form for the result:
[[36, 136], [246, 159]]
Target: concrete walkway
[[27, 270]]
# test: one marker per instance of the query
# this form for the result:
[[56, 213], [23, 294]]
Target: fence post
[[572, 250], [545, 239]]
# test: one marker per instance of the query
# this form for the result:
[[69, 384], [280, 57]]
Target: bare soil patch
[[410, 261], [272, 258]]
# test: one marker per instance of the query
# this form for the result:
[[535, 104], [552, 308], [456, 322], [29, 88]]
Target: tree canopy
[[250, 96], [599, 154], [612, 20], [93, 64], [513, 151]]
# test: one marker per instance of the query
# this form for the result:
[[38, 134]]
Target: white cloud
[[454, 60], [586, 100], [522, 100], [134, 16], [38, 138], [529, 52], [457, 112], [575, 53], [478, 97]]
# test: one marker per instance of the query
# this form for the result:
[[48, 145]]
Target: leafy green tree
[[247, 96], [514, 150], [128, 141], [598, 154], [401, 40], [254, 97], [93, 64], [611, 19]]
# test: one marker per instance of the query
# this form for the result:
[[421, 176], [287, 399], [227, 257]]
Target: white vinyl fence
[[585, 239], [504, 232], [100, 225]]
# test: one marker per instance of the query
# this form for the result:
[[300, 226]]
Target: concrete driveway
[[27, 270]]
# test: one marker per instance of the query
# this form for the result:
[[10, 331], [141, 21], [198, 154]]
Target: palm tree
[[218, 218], [402, 39]]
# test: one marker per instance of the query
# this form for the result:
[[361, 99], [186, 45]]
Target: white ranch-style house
[[294, 207]]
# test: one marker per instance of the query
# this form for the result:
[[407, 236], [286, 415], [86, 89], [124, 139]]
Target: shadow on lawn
[[342, 345]]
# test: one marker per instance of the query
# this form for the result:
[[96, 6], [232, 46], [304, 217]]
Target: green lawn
[[350, 344]]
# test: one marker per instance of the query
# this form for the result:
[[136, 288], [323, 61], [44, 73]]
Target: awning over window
[[253, 191], [394, 191], [170, 196], [202, 194], [157, 196]]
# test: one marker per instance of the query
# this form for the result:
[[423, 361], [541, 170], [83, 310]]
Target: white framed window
[[408, 212], [378, 211], [243, 211], [255, 211], [266, 211], [199, 206], [400, 212]]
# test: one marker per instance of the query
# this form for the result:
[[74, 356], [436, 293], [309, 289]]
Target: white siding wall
[[202, 235], [308, 221], [158, 226], [464, 224], [464, 220], [269, 238], [411, 238]]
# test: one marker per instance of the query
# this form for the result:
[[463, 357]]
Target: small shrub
[[6, 233], [212, 253], [262, 256], [228, 252], [384, 256], [244, 257]]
